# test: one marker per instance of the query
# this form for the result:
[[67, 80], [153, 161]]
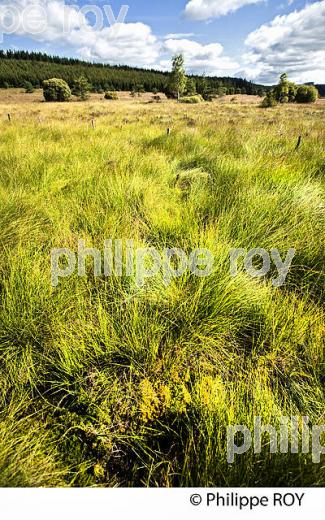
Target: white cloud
[[121, 43], [178, 36], [208, 9], [293, 43], [127, 43], [200, 58]]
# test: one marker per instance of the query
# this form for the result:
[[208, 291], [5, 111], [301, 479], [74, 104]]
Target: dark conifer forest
[[18, 67]]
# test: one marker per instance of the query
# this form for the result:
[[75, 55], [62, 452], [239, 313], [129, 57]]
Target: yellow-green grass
[[104, 384]]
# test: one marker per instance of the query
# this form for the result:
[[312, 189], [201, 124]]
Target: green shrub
[[191, 99], [111, 95], [269, 101], [307, 94], [191, 87], [137, 90], [209, 95], [288, 92], [81, 88], [29, 89], [56, 90]]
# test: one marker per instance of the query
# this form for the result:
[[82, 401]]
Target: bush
[[191, 99], [269, 101], [81, 88], [306, 94], [191, 87], [288, 92], [209, 95], [56, 90], [285, 91], [137, 90], [29, 89], [111, 95]]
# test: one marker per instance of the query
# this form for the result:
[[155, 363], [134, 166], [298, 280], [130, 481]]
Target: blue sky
[[257, 39]]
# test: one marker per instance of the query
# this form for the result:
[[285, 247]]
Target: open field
[[17, 96], [106, 384]]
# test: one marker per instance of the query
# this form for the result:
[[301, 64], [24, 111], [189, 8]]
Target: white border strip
[[151, 504]]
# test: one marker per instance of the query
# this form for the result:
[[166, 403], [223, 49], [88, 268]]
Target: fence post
[[299, 142]]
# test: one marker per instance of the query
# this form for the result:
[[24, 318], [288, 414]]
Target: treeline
[[19, 67], [321, 90]]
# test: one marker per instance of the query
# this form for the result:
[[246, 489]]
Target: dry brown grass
[[14, 97]]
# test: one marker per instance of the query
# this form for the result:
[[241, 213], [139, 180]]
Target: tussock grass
[[103, 384]]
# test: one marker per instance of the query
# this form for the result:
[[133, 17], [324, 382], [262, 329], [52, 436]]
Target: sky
[[255, 39]]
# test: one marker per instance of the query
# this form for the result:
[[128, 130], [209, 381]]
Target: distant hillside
[[17, 67]]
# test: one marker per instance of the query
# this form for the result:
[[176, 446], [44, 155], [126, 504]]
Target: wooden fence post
[[299, 142]]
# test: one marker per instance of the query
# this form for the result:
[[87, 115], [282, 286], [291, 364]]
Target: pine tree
[[81, 88], [29, 88], [191, 87]]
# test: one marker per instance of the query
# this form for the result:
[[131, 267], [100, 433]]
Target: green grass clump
[[106, 384]]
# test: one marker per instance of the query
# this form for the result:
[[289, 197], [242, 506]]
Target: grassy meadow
[[106, 384]]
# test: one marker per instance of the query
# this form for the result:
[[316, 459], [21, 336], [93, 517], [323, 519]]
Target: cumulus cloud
[[127, 43], [53, 21], [208, 9], [118, 43], [201, 58], [293, 43]]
